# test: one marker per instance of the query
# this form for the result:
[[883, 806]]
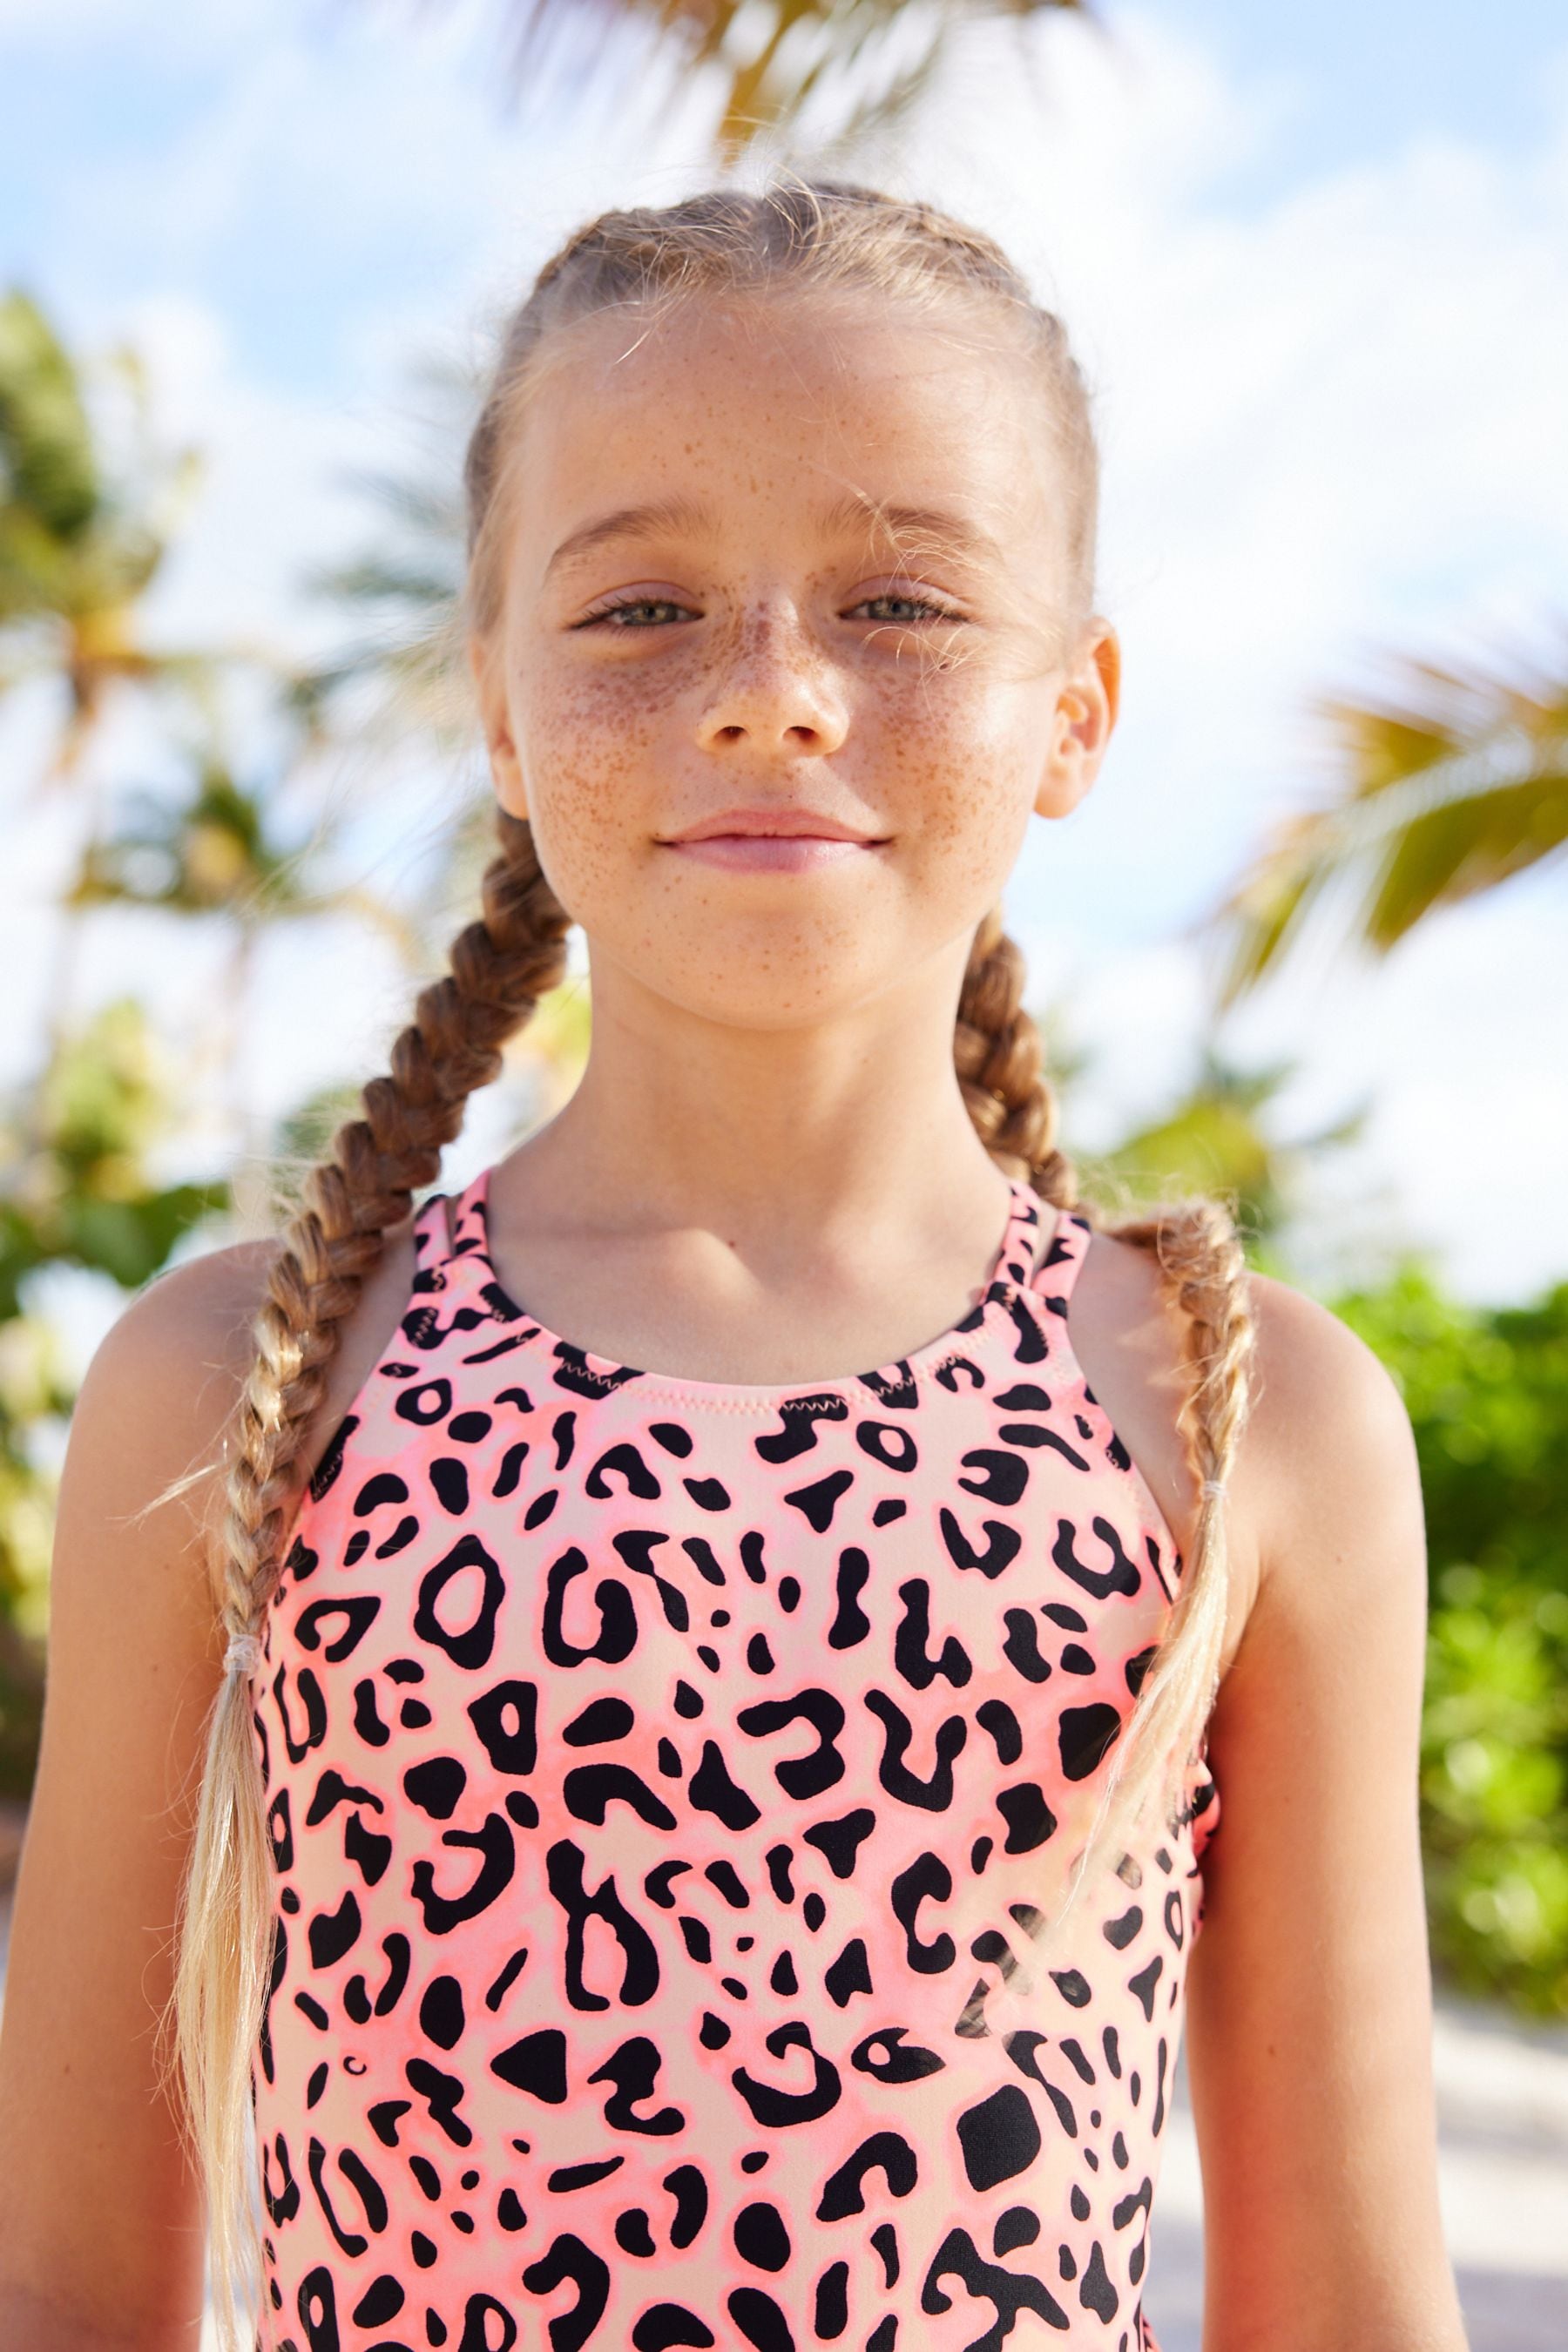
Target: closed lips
[[774, 853], [771, 825]]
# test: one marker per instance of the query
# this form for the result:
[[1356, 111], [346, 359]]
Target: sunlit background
[[1305, 940]]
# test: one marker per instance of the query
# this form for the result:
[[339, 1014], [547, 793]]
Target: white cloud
[[274, 500]]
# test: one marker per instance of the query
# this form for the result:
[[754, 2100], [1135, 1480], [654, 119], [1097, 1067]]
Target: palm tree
[[84, 533], [78, 548], [223, 852], [772, 57], [1454, 782]]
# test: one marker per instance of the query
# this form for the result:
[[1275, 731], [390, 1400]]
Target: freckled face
[[830, 588]]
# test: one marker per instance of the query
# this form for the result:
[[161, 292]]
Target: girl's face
[[773, 557]]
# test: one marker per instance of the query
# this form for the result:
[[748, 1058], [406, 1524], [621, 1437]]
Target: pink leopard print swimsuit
[[664, 1776]]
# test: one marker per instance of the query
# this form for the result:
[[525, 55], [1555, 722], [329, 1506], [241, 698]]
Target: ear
[[1089, 696], [487, 662]]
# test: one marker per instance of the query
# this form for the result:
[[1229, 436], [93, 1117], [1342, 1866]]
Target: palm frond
[[776, 54], [1451, 785], [47, 466]]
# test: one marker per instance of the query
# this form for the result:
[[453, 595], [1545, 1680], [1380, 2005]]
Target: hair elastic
[[243, 1655], [1213, 1486]]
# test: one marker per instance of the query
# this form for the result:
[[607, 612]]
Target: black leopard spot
[[1000, 2137], [840, 1840], [664, 2325], [1084, 1736], [1030, 1820], [537, 2064], [761, 2237], [760, 2320], [886, 2152], [446, 1587], [435, 1786]]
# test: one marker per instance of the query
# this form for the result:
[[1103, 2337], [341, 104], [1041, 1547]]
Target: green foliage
[[76, 1189], [85, 520], [84, 1195], [70, 546], [1487, 1390], [47, 464], [33, 1390]]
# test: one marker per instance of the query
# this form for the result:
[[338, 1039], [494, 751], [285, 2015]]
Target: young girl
[[699, 1842]]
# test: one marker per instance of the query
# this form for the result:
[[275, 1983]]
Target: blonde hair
[[817, 234]]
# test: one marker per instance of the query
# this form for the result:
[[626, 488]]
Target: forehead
[[810, 406]]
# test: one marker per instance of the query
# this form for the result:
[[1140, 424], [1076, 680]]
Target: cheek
[[956, 770], [590, 752]]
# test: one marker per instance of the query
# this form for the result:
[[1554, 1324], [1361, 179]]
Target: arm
[[100, 2219], [1310, 2016]]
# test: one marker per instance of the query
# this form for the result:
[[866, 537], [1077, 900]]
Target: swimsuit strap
[[1056, 1275], [436, 1227], [1050, 1288]]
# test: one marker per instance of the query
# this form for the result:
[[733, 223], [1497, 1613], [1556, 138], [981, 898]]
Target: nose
[[773, 691]]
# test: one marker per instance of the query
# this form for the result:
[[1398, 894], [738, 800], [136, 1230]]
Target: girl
[[697, 1842]]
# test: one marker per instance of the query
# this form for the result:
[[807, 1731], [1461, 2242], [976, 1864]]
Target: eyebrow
[[937, 529]]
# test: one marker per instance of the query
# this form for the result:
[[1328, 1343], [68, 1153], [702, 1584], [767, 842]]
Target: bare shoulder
[[144, 1478], [169, 1373], [1326, 1440], [156, 1399], [1333, 1478]]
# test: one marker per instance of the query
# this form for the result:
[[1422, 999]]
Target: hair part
[[827, 235]]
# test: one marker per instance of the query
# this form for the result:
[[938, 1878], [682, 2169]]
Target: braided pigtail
[[999, 1058], [500, 965]]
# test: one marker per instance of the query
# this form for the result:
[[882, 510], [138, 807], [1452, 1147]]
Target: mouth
[[774, 853], [776, 840]]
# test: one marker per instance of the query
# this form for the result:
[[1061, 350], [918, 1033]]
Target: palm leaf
[[47, 470], [1455, 781], [775, 54]]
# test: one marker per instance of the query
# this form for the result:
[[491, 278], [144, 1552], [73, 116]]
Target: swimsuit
[[663, 1779]]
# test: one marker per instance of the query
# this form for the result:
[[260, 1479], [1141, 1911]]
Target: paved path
[[1502, 2111]]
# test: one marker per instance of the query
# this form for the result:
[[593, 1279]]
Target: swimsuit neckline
[[1011, 1274]]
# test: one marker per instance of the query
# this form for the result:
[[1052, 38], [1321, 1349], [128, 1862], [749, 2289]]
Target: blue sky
[[119, 87], [1370, 75], [1316, 262]]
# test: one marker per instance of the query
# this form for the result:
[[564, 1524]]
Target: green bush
[[1487, 1390]]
